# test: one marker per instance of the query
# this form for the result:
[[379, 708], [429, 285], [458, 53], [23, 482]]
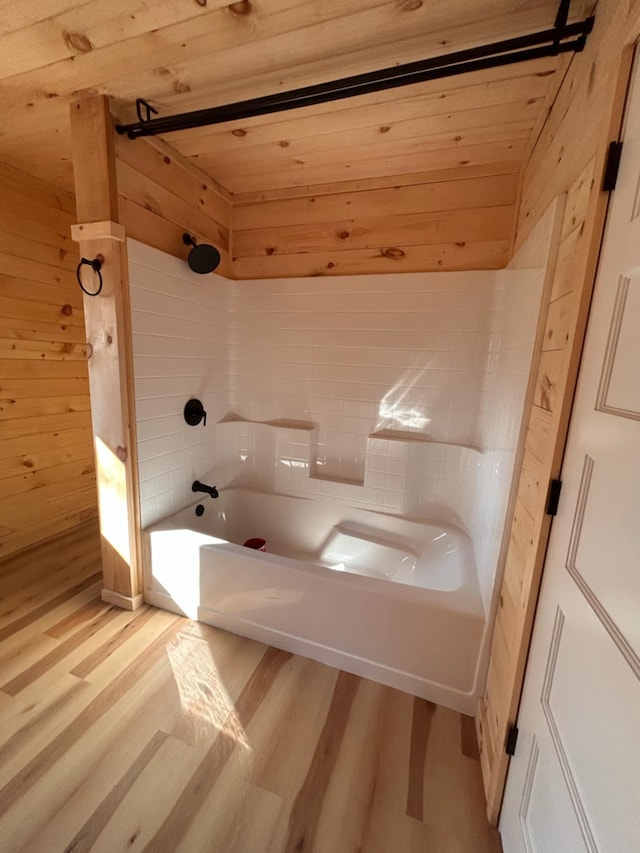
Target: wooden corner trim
[[126, 602], [98, 231]]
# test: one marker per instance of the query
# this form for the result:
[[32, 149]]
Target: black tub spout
[[197, 486]]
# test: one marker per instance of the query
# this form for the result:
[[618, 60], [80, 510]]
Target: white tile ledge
[[419, 438], [303, 426]]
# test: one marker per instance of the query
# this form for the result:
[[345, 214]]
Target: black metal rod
[[562, 15], [534, 46]]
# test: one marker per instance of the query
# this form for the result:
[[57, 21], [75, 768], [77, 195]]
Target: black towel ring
[[95, 265]]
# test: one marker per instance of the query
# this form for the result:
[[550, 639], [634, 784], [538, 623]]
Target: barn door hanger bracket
[[561, 38]]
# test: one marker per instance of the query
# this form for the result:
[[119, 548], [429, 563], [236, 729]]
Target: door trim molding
[[563, 759], [625, 648]]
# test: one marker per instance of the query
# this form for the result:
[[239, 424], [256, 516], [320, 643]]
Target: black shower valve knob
[[194, 413]]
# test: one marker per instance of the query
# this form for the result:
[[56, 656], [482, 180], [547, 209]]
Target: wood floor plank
[[85, 613], [79, 544], [194, 795], [85, 838], [290, 725], [102, 664], [144, 806], [423, 712], [47, 606], [468, 737], [210, 677], [93, 764], [253, 817], [62, 650], [346, 809], [388, 826], [118, 688], [145, 731], [136, 622], [28, 740], [268, 766], [305, 812], [453, 806], [28, 592]]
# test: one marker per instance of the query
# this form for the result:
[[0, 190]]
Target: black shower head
[[202, 258]]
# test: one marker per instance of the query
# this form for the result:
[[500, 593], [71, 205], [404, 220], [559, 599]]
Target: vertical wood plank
[[93, 149], [582, 230], [108, 328]]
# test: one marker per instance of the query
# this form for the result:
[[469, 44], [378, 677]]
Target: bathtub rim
[[468, 594]]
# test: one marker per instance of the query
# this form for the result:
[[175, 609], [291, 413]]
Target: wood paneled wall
[[454, 219], [161, 195], [47, 479], [567, 157]]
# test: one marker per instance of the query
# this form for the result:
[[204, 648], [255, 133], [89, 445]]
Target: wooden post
[[108, 327]]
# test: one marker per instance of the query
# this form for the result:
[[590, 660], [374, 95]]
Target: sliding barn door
[[574, 783]]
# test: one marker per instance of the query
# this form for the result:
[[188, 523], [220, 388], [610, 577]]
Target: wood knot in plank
[[239, 132], [89, 350], [410, 5], [77, 41], [121, 453], [180, 87], [67, 310], [392, 252], [545, 392], [244, 7]]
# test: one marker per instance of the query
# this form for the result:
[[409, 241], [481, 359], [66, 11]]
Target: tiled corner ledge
[[419, 438], [404, 472]]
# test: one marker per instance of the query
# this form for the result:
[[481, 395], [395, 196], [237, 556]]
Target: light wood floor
[[146, 731]]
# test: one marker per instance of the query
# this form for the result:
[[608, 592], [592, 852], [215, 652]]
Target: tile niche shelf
[[403, 471]]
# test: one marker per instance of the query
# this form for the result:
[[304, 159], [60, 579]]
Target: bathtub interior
[[361, 542], [383, 596]]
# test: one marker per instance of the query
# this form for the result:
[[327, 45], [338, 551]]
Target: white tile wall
[[180, 350], [517, 295], [361, 354], [345, 367]]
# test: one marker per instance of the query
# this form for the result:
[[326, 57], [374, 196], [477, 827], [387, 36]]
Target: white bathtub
[[382, 596]]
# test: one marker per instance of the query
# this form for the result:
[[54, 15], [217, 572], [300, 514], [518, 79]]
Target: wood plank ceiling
[[189, 54]]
